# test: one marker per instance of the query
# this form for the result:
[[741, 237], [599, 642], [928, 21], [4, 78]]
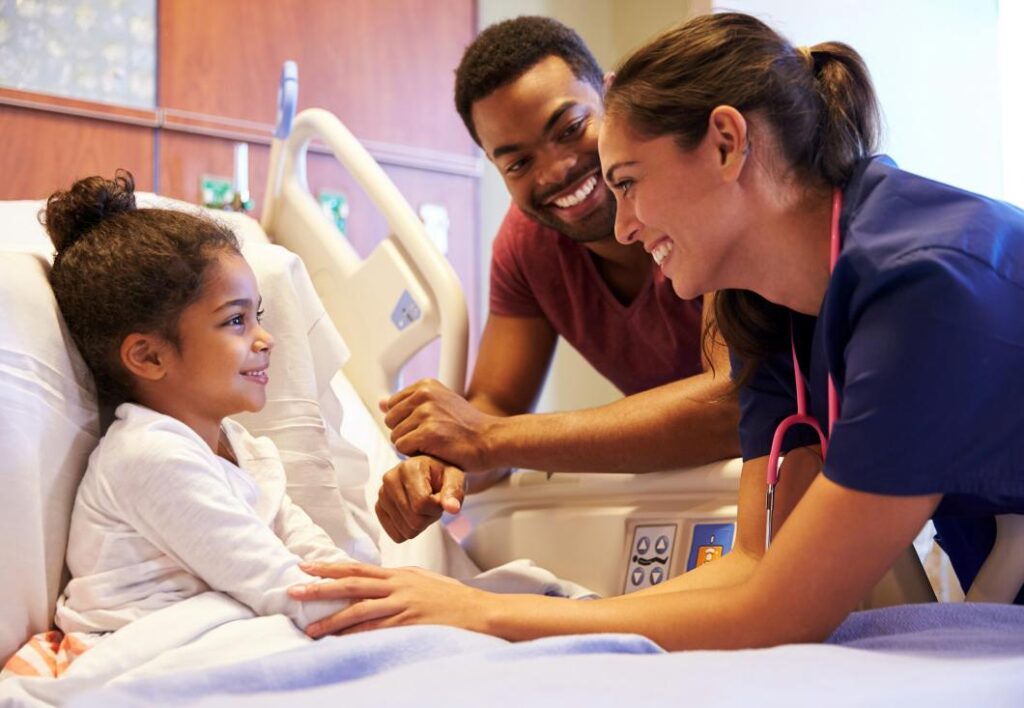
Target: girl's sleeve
[[187, 510]]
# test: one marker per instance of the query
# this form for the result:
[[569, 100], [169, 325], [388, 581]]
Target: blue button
[[657, 575], [638, 576], [643, 545], [661, 545]]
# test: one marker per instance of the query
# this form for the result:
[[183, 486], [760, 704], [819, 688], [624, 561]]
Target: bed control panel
[[650, 558], [406, 311], [710, 541], [660, 548]]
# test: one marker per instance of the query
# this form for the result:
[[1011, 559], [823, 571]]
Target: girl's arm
[[188, 512]]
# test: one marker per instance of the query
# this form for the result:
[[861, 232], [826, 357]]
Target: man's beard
[[596, 226]]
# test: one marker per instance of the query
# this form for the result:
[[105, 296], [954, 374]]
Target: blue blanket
[[931, 654]]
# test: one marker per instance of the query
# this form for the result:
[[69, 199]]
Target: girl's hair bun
[[72, 214]]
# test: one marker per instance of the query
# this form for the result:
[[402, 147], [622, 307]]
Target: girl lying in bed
[[177, 499]]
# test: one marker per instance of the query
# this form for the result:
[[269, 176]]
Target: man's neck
[[624, 269]]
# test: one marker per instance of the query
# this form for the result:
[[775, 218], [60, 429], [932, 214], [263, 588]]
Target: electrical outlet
[[650, 556], [436, 223]]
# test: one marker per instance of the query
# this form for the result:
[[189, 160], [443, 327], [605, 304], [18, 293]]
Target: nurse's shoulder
[[894, 219]]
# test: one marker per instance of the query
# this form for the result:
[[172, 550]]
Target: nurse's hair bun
[[71, 214]]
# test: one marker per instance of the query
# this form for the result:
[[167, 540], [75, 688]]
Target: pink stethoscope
[[801, 416]]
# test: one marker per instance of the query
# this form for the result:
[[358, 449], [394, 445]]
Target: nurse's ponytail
[[818, 103], [848, 125]]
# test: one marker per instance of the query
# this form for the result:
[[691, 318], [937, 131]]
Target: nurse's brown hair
[[119, 270], [818, 102]]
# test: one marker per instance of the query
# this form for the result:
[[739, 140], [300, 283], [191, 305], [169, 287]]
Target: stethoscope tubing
[[801, 416]]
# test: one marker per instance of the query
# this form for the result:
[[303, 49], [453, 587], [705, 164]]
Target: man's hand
[[428, 418], [414, 494]]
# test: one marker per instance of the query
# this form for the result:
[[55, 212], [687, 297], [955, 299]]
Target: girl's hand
[[390, 597]]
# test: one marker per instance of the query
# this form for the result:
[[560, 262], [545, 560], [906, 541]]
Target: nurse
[[744, 165]]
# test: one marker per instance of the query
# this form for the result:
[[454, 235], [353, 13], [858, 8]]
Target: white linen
[[159, 518], [202, 632], [326, 474], [48, 426]]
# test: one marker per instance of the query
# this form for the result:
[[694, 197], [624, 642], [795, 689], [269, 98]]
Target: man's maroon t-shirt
[[538, 272]]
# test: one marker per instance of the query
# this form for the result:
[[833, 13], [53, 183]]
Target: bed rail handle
[[406, 228]]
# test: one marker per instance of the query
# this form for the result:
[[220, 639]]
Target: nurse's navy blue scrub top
[[922, 327]]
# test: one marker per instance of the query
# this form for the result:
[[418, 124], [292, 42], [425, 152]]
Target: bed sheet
[[931, 655]]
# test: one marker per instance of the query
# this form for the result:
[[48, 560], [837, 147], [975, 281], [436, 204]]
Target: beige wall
[[611, 28], [935, 69]]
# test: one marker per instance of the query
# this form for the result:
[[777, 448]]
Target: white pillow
[[48, 426]]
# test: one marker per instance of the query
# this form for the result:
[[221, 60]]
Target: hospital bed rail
[[402, 296]]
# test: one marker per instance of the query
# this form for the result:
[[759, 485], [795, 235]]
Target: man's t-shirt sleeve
[[511, 294]]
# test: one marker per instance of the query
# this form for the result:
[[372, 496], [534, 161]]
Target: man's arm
[[512, 362], [681, 424]]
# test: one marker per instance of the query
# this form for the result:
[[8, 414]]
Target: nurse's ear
[[728, 134]]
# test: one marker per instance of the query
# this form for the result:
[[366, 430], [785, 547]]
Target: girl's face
[[220, 367], [673, 202]]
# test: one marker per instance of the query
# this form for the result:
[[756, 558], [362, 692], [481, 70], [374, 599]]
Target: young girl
[[177, 499], [744, 166]]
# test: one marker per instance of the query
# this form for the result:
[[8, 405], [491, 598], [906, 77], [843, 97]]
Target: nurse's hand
[[429, 418], [390, 597], [415, 493]]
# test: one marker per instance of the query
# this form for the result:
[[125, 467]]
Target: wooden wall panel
[[384, 67], [43, 152], [185, 158]]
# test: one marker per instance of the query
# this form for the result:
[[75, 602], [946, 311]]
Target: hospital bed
[[337, 451]]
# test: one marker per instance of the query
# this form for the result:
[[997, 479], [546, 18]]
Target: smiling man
[[529, 92]]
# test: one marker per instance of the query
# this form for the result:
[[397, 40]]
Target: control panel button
[[706, 554], [650, 557], [709, 542]]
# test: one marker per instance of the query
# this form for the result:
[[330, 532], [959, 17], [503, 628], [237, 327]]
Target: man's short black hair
[[506, 50]]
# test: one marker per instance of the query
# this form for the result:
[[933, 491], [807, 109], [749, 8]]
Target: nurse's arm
[[834, 548]]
